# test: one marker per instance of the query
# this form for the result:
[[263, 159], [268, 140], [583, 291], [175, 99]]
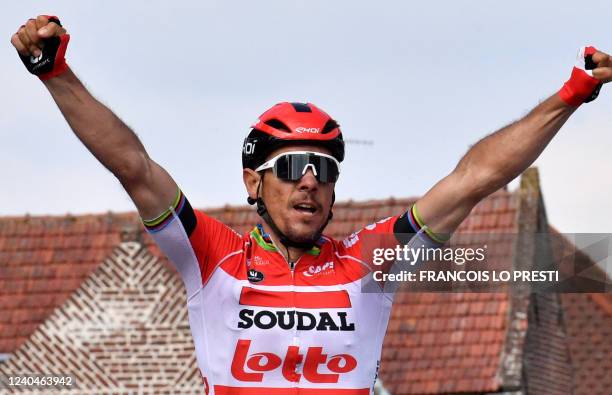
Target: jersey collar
[[265, 241]]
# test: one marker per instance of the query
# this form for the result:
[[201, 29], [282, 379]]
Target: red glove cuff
[[581, 87]]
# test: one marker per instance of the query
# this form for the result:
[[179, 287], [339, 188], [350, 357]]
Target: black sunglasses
[[291, 166]]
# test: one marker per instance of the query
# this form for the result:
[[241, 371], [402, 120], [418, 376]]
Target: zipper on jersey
[[296, 340], [291, 264]]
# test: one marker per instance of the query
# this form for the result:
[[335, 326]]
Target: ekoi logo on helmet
[[303, 129], [249, 147]]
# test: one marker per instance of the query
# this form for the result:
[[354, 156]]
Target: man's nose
[[308, 181]]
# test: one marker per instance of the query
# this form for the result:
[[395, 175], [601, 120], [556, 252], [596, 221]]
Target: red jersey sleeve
[[360, 244], [373, 244], [212, 242]]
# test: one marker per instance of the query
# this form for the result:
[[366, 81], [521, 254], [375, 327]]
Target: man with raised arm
[[280, 310]]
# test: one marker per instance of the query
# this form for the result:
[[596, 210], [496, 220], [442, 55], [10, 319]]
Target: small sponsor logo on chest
[[254, 276], [326, 268]]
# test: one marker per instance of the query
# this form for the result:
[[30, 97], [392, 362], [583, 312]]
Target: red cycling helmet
[[289, 124]]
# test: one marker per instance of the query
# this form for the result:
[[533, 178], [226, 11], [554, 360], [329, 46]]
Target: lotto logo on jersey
[[318, 367]]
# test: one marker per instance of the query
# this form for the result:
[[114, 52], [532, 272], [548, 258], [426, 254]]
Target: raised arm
[[500, 157], [112, 142]]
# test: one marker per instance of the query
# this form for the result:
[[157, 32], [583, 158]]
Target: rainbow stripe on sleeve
[[419, 225], [158, 223]]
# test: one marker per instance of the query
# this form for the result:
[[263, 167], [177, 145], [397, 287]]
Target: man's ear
[[251, 180]]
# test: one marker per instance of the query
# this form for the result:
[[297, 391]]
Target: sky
[[421, 80]]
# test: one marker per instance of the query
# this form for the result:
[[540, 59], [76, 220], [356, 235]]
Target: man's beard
[[302, 236]]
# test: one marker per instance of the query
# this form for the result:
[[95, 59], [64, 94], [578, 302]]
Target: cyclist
[[280, 309]]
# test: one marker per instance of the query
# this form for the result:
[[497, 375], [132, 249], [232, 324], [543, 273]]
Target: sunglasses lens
[[292, 167], [283, 168], [327, 171]]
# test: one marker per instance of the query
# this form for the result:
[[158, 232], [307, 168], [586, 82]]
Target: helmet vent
[[301, 107], [276, 124], [329, 126]]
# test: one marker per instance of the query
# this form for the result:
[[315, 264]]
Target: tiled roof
[[588, 321], [588, 318]]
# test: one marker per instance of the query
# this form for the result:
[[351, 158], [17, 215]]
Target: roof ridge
[[226, 207], [68, 215]]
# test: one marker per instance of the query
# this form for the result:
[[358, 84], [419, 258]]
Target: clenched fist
[[593, 69], [41, 44], [602, 66]]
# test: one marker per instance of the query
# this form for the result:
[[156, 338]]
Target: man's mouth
[[306, 208]]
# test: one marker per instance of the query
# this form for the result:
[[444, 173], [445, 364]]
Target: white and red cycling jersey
[[260, 327]]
